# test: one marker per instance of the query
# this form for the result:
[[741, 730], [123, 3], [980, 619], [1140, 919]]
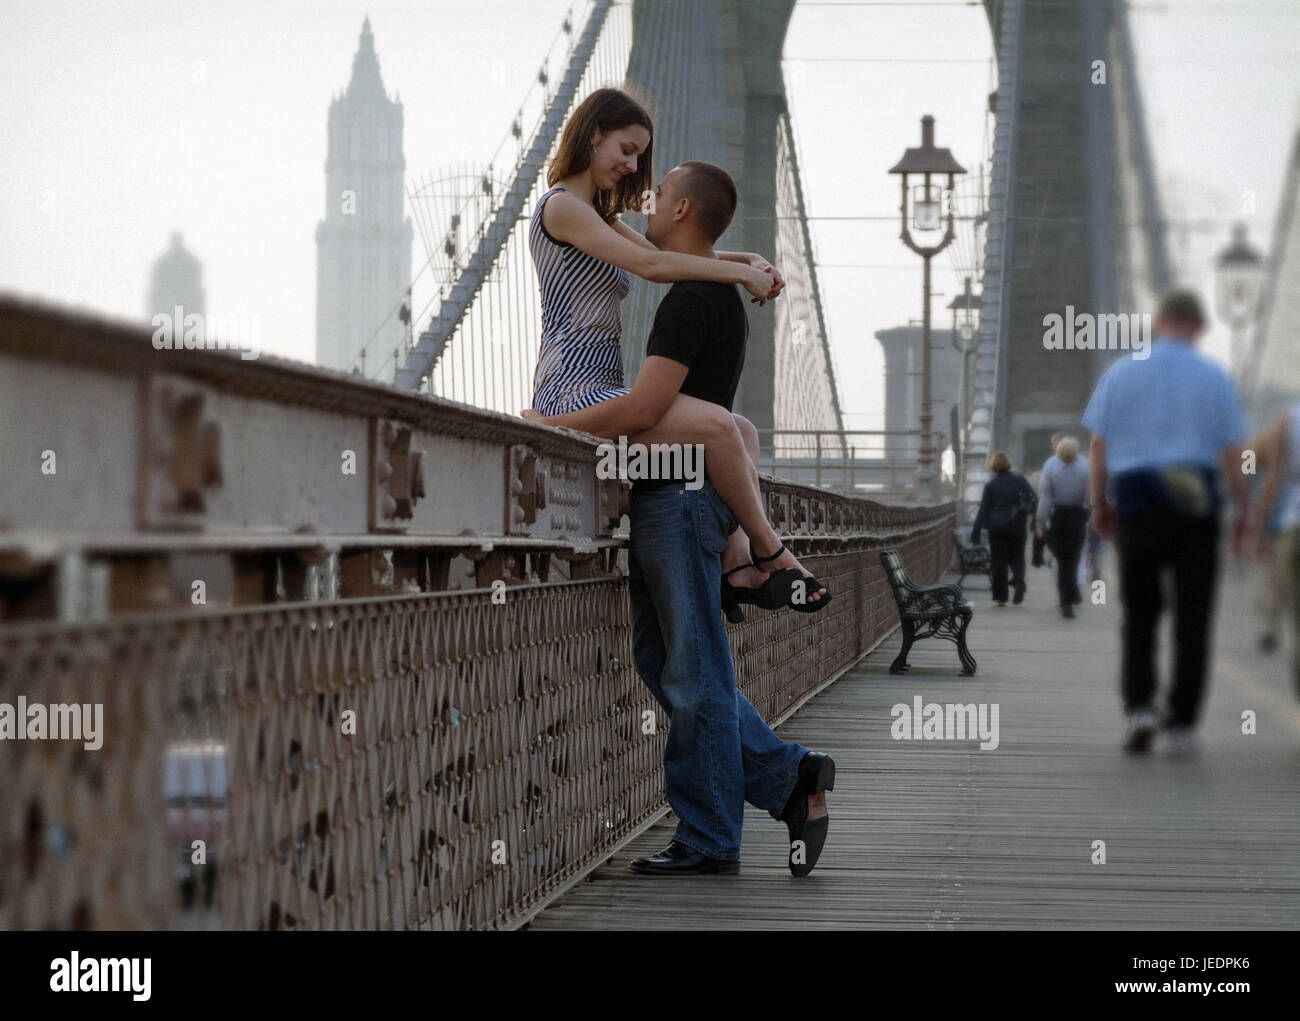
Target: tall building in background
[[176, 279], [902, 350], [363, 245]]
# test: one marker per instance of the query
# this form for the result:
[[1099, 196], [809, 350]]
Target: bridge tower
[[712, 78], [1074, 219]]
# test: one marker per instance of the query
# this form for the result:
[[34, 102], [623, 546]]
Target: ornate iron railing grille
[[495, 752]]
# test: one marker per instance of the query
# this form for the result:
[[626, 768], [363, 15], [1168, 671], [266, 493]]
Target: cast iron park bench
[[939, 612], [974, 559]]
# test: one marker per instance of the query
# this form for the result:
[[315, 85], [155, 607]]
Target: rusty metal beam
[[356, 746], [115, 451]]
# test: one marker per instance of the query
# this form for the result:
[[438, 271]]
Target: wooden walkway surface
[[942, 835]]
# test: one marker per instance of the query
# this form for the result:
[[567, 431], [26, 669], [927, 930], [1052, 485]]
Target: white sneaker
[[1182, 743], [1142, 726]]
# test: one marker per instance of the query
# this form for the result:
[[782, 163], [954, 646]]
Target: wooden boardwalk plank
[[942, 835]]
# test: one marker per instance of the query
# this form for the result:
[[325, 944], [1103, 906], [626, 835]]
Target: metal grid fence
[[495, 752]]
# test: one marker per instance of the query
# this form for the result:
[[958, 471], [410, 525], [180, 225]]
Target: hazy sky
[[124, 121]]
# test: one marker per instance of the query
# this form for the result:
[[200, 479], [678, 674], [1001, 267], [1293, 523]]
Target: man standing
[[1063, 516], [1041, 539], [719, 753], [1162, 427], [1278, 516]]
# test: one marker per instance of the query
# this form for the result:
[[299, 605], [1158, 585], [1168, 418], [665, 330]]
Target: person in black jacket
[[1008, 504]]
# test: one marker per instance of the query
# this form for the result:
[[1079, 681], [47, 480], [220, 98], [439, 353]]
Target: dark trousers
[[1007, 549], [1067, 528], [1148, 544]]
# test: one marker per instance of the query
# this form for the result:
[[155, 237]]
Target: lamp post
[[1240, 275], [927, 215], [965, 314]]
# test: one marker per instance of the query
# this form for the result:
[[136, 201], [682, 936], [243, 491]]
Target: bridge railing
[[875, 463], [337, 656]]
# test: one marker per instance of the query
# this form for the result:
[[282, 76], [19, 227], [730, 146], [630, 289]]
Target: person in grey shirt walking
[[1063, 514]]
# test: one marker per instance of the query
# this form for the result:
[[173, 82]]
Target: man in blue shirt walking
[[1162, 428]]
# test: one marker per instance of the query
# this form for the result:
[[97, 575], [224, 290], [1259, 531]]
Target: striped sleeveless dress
[[580, 362]]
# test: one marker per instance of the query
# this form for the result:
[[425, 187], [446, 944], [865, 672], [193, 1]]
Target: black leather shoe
[[807, 838], [1019, 596], [679, 860]]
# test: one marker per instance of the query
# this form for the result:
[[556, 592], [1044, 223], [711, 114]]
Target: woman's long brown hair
[[608, 110]]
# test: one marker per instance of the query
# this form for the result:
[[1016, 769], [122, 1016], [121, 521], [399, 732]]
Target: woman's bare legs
[[731, 462], [737, 551]]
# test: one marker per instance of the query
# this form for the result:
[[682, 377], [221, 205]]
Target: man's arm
[[1275, 456], [1026, 487], [656, 387], [1103, 514], [1237, 435], [982, 515], [1240, 495], [1236, 477], [1047, 490]]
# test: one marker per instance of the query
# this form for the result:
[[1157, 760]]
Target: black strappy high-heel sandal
[[773, 594], [810, 584]]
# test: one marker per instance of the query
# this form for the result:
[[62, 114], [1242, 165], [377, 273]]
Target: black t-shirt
[[703, 326]]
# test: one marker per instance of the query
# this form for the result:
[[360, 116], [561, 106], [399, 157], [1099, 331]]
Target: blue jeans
[[720, 753]]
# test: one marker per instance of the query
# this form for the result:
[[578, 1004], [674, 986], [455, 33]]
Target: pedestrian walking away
[[1163, 427], [1063, 515], [1275, 525], [1005, 509]]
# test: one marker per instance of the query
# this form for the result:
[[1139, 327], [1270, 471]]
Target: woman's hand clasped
[[758, 262], [763, 284]]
